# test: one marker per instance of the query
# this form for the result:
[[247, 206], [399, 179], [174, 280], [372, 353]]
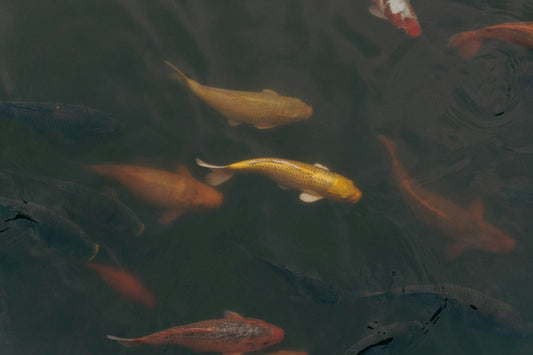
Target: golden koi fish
[[315, 181], [264, 109]]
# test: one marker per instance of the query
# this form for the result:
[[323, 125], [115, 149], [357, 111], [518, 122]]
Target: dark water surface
[[463, 129]]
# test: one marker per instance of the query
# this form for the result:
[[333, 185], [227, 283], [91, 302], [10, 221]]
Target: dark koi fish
[[70, 121], [520, 33], [125, 283], [233, 335]]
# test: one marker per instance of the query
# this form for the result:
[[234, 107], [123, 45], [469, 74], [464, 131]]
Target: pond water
[[462, 129]]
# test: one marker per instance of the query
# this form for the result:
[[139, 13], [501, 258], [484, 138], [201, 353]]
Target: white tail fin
[[218, 175], [126, 342]]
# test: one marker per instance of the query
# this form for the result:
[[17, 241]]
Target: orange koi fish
[[173, 192], [398, 12], [125, 283], [466, 227], [233, 335], [520, 33]]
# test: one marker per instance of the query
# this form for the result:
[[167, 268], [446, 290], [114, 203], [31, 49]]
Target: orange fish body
[[125, 283], [398, 12], [233, 335], [173, 192], [520, 33], [465, 226]]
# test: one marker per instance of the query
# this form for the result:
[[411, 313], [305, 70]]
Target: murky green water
[[462, 127]]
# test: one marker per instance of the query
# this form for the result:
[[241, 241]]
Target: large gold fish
[[264, 109], [315, 181]]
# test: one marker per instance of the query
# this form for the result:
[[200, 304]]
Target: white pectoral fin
[[233, 123], [305, 197], [376, 11], [318, 165], [265, 125]]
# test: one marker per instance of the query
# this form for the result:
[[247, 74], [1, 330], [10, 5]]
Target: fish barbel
[[264, 110], [315, 181]]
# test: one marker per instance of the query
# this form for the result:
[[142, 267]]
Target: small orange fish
[[398, 12], [520, 33], [125, 283], [288, 352], [466, 227], [266, 109], [233, 335], [174, 192]]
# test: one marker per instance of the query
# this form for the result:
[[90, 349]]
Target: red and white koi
[[398, 12]]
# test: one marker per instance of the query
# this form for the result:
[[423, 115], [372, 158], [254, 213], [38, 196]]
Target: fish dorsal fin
[[318, 165], [183, 171], [305, 197], [270, 92], [376, 11], [232, 315], [477, 209]]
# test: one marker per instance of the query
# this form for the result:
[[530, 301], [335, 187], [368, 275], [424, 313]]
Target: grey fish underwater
[[45, 226], [76, 122], [94, 211], [263, 110], [389, 339], [476, 309]]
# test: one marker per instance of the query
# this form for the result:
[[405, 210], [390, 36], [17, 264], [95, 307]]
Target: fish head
[[297, 109], [401, 14], [494, 239], [276, 336], [344, 190]]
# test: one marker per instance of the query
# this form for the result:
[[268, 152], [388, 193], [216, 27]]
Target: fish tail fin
[[467, 42], [389, 145], [218, 175], [125, 342], [178, 75]]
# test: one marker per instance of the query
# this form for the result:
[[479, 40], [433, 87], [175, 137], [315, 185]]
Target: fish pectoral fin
[[270, 92], [477, 209], [318, 165], [283, 187], [233, 123], [183, 171], [376, 11], [305, 197], [232, 315], [170, 216], [265, 125]]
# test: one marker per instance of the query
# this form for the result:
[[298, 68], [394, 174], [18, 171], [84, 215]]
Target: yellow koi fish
[[315, 181], [264, 109]]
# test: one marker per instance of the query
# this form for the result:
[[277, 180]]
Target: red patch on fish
[[125, 284], [409, 24], [233, 335]]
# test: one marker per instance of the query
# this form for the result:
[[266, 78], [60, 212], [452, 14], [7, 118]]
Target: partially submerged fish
[[68, 120], [264, 110], [125, 283], [308, 285], [175, 193], [398, 12], [520, 33], [94, 211], [46, 226], [315, 181], [233, 335], [389, 339], [476, 309], [466, 227]]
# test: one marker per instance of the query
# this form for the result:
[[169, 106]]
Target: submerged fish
[[476, 309], [389, 339], [125, 283], [264, 110], [233, 335], [315, 181], [71, 121], [46, 226], [465, 227], [398, 12], [307, 285], [520, 33], [288, 352], [174, 192], [94, 211]]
